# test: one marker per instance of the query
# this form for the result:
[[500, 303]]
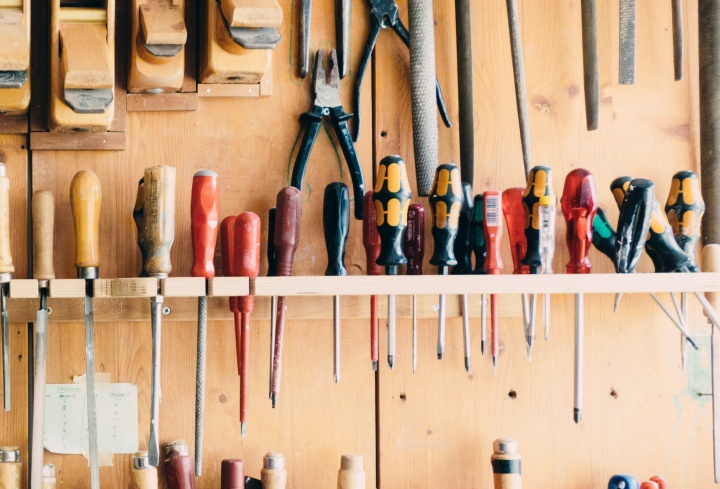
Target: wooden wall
[[643, 414]]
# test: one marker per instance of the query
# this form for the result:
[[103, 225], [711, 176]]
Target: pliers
[[327, 103], [383, 14]]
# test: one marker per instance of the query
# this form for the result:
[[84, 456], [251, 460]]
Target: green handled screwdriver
[[463, 255], [480, 252]]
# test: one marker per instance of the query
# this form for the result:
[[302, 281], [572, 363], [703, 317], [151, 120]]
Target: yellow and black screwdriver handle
[[539, 187], [684, 209], [392, 199], [661, 246], [446, 201]]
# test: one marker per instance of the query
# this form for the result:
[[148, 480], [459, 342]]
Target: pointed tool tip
[[391, 361], [494, 363], [374, 365], [482, 348], [243, 429], [273, 397], [440, 356], [336, 378], [577, 415], [467, 364]]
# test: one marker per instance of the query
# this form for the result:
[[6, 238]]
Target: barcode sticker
[[492, 205]]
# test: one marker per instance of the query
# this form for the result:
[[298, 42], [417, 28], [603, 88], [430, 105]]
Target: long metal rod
[[483, 323], [342, 33], [678, 38], [5, 345], [200, 382], [579, 357], [414, 332], [304, 38], [391, 331], [155, 389], [463, 32], [39, 381], [336, 338], [519, 72], [627, 41], [673, 320], [590, 62], [683, 339], [273, 324], [466, 331], [90, 387]]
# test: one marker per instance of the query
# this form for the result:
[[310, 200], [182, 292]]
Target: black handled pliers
[[383, 14], [327, 103]]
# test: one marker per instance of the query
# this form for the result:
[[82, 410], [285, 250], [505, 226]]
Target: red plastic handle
[[492, 227], [246, 262], [371, 238], [227, 247], [579, 205], [205, 216], [514, 213]]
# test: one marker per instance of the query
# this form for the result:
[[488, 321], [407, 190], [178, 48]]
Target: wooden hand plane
[[238, 39], [82, 66], [157, 57], [14, 56]]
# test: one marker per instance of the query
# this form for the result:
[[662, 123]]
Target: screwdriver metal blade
[[391, 331], [579, 357], [156, 391], [414, 332], [483, 323], [336, 338], [39, 381], [90, 387], [273, 325], [5, 346], [441, 328]]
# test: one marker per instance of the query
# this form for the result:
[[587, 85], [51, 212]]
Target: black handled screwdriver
[[480, 251], [445, 202], [463, 254], [336, 224], [392, 199]]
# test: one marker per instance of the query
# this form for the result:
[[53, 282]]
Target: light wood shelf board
[[228, 286], [24, 289], [182, 286], [126, 287]]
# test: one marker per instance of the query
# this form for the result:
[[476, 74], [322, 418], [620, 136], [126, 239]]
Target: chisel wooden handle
[[178, 466], [10, 468], [43, 220], [505, 462], [142, 474], [85, 200], [158, 219], [205, 216], [139, 219], [6, 264], [273, 474], [351, 474]]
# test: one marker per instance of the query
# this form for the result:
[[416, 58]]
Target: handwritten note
[[66, 418]]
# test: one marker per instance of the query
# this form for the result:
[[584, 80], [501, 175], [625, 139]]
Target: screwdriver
[[579, 204], [286, 238], [85, 200], [272, 272], [445, 202], [392, 199], [492, 229], [604, 235], [371, 243], [512, 205], [43, 221], [539, 203], [227, 247], [414, 249], [336, 225], [480, 252], [154, 215], [684, 208], [6, 271], [205, 217], [246, 263], [463, 252]]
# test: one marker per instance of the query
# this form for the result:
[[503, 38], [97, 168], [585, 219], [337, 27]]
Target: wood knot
[[512, 394]]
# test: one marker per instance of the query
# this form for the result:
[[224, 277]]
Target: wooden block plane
[[14, 57], [82, 66], [237, 42], [157, 51]]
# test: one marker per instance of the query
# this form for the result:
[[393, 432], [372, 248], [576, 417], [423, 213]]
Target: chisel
[[204, 219], [154, 216], [85, 201], [43, 218], [6, 271]]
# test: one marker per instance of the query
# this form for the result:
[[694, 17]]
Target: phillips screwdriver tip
[[336, 378], [440, 356], [577, 415], [482, 348], [374, 364], [467, 364], [617, 302], [273, 397], [494, 363], [391, 361], [243, 428]]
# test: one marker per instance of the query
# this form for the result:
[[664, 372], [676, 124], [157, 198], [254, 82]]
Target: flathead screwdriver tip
[[391, 361], [617, 302], [374, 364], [577, 415], [440, 356], [243, 429], [467, 364], [692, 343], [336, 377], [273, 397], [482, 348], [494, 363]]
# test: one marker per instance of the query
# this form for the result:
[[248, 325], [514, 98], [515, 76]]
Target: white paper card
[[66, 418]]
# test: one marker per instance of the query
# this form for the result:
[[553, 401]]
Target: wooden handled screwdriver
[[579, 204], [154, 216], [273, 474], [6, 271], [505, 462], [142, 474], [11, 470], [85, 200], [43, 220], [463, 255], [446, 203], [392, 199], [286, 238], [204, 219], [351, 474], [336, 225], [492, 230], [246, 263], [480, 251], [414, 249], [371, 243]]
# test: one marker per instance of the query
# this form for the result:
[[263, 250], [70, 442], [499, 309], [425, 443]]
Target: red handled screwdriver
[[492, 228], [579, 205], [414, 248], [512, 205], [371, 242], [227, 247], [286, 238]]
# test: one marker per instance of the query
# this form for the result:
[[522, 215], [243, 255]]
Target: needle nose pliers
[[327, 103]]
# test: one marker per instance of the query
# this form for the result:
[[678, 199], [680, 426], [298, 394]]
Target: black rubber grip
[[463, 242], [478, 236], [392, 199], [336, 224], [446, 202], [506, 466]]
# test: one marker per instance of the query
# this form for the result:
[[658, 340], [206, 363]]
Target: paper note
[[66, 418]]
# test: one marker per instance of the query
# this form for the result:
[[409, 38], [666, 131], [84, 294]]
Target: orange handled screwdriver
[[492, 229], [204, 221], [246, 263], [579, 205], [286, 238], [371, 243], [512, 205], [414, 249]]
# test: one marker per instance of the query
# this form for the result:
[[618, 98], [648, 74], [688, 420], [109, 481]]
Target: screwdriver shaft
[[391, 331], [494, 339], [244, 371], [531, 325], [90, 386], [678, 325], [273, 324], [483, 323], [683, 340], [414, 332], [154, 443], [374, 332], [277, 353], [441, 327], [5, 346], [546, 315], [466, 331], [336, 338], [579, 357]]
